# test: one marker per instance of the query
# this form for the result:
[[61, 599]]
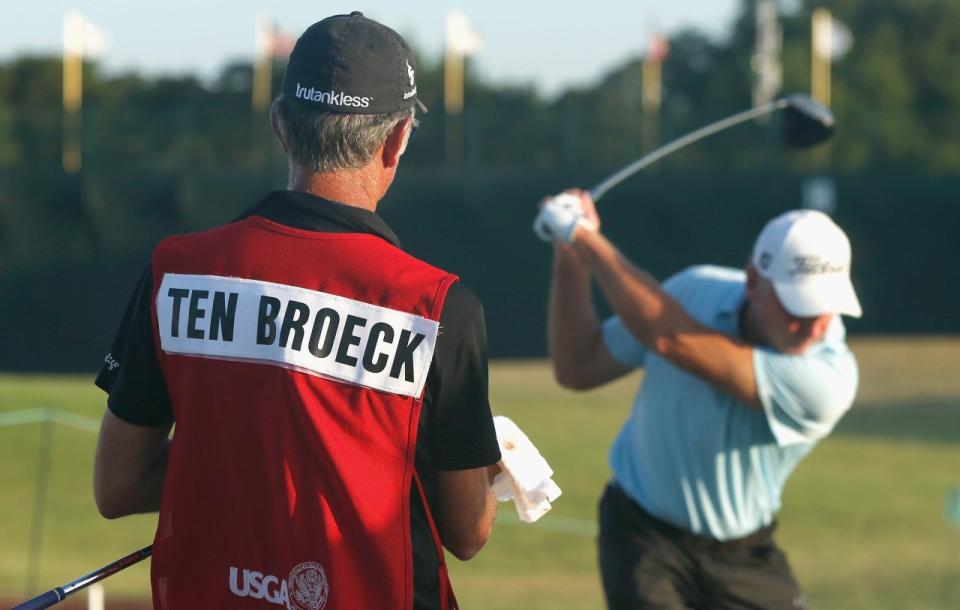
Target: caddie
[[333, 430], [744, 372]]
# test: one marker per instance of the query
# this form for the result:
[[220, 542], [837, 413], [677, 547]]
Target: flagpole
[[652, 90], [820, 55], [453, 85], [453, 104], [820, 70], [651, 98], [72, 92], [261, 92], [766, 61]]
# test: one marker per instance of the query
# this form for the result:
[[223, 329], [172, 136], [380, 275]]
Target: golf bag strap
[[448, 601]]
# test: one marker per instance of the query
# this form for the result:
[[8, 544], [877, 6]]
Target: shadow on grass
[[935, 420]]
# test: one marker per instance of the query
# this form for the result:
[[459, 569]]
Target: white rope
[[551, 523], [45, 414]]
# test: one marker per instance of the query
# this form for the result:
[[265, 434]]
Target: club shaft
[[601, 189], [60, 593]]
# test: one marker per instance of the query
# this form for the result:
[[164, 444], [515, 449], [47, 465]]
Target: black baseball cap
[[354, 65]]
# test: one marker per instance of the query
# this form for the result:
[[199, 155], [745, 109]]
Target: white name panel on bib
[[307, 330]]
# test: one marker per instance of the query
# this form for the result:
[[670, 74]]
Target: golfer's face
[[783, 331]]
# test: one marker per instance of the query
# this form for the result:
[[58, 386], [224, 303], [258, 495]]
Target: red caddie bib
[[295, 362]]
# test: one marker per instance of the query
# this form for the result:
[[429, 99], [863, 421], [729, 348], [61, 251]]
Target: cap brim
[[816, 297]]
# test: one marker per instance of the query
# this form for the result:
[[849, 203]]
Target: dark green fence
[[71, 248]]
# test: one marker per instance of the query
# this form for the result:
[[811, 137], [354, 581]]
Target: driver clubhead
[[806, 122]]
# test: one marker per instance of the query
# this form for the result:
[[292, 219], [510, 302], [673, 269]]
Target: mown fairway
[[863, 521]]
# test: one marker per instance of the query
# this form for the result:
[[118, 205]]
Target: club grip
[[41, 601]]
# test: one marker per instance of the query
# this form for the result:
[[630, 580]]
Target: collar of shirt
[[308, 212], [728, 311]]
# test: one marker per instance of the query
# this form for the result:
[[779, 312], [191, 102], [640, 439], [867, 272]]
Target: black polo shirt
[[456, 428]]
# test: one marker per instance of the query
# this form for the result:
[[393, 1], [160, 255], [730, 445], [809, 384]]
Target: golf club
[[57, 595], [806, 122]]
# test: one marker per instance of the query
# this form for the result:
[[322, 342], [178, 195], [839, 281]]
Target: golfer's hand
[[589, 209], [560, 217]]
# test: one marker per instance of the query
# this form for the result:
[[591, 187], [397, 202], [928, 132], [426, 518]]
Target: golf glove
[[559, 218]]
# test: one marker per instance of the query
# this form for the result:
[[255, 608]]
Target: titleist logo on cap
[[815, 265], [334, 98]]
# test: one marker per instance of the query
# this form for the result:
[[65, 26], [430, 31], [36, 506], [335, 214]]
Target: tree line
[[896, 98]]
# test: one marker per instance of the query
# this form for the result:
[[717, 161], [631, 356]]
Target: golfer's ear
[[396, 143], [753, 279], [821, 325]]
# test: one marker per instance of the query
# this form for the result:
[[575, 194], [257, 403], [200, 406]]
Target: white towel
[[526, 476]]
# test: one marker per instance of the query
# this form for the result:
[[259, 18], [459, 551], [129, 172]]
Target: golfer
[[745, 371], [333, 431]]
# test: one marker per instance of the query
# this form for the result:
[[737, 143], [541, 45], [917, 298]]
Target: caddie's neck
[[362, 187]]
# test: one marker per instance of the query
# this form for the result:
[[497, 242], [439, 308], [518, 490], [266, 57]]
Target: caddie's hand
[[561, 216]]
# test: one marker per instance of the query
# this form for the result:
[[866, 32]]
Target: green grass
[[75, 538], [863, 520]]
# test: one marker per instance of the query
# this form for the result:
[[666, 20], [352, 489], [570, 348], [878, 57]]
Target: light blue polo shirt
[[697, 457]]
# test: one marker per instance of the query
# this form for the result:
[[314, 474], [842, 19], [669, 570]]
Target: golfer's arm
[[580, 359], [660, 322], [129, 467], [466, 509]]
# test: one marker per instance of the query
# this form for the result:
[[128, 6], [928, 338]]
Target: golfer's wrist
[[589, 245], [567, 262]]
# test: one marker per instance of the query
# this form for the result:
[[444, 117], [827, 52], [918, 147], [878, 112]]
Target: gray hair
[[322, 141]]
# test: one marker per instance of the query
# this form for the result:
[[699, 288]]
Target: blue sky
[[523, 41]]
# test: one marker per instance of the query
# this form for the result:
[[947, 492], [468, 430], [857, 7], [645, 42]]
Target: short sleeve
[[131, 373], [804, 396], [623, 346], [459, 430]]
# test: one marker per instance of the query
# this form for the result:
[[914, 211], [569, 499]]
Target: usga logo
[[306, 588], [334, 98]]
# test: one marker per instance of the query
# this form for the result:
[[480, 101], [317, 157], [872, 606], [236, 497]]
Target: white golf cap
[[807, 258]]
